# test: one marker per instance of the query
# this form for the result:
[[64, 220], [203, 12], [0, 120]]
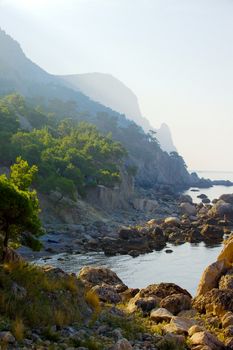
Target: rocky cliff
[[111, 92]]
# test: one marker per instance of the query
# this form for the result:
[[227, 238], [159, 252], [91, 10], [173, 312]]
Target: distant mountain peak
[[111, 92]]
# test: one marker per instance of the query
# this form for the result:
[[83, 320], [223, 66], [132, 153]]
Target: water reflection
[[183, 267]]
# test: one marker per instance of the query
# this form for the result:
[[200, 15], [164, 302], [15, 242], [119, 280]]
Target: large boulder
[[161, 315], [176, 303], [212, 233], [227, 252], [189, 209], [179, 325], [206, 339], [107, 294], [228, 198], [172, 221], [216, 302], [211, 276], [150, 297], [185, 198], [221, 209], [92, 276], [162, 290]]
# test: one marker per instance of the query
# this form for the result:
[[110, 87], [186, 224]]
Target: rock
[[211, 276], [7, 337], [145, 304], [212, 233], [123, 344], [221, 209], [176, 303], [93, 276], [128, 233], [172, 221], [168, 251], [189, 209], [179, 325], [152, 222], [206, 200], [185, 198], [206, 339], [162, 290], [227, 319], [202, 196], [228, 198], [195, 329], [215, 301], [161, 315], [226, 281], [107, 294], [227, 252]]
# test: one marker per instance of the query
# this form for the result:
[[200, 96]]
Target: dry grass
[[93, 300], [18, 329], [47, 298]]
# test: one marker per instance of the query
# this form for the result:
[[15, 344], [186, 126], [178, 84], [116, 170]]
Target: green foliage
[[74, 156], [19, 207]]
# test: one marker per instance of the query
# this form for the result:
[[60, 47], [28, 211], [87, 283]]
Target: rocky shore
[[116, 317], [172, 219]]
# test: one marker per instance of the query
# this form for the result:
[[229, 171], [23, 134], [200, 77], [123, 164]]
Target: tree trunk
[[5, 243]]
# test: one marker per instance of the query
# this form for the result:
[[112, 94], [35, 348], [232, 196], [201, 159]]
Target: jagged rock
[[92, 276], [152, 222], [227, 252], [227, 319], [161, 315], [226, 281], [206, 339], [211, 276], [172, 221], [215, 301], [187, 208], [162, 290], [123, 344], [212, 233], [176, 303]]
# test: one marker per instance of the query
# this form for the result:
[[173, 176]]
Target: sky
[[176, 55]]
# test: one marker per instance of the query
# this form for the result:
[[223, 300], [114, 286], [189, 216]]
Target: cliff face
[[111, 92]]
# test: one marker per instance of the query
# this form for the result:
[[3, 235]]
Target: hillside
[[111, 92], [46, 92]]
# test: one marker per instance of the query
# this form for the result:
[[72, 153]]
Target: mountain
[[111, 92], [62, 99]]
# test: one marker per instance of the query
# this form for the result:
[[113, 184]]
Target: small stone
[[123, 344], [7, 337]]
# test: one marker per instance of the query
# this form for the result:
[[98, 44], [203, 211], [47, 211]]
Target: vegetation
[[19, 208], [71, 156]]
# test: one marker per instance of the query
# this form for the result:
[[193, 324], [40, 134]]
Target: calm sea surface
[[215, 191], [184, 266]]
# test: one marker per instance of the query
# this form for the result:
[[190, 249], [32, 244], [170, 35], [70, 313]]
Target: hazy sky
[[176, 55]]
